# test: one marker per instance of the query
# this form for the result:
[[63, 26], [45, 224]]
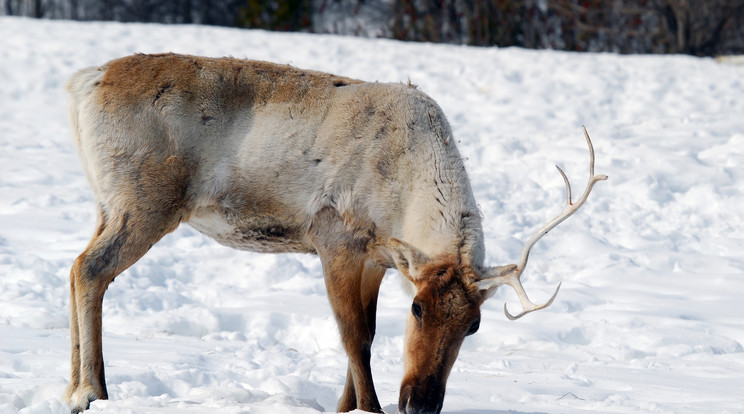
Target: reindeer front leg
[[370, 287], [352, 284]]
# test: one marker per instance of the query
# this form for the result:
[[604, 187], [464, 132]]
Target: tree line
[[697, 27]]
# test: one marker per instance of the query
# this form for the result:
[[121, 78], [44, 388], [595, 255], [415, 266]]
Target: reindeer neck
[[441, 216]]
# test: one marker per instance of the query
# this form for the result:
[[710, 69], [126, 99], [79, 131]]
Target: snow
[[649, 318]]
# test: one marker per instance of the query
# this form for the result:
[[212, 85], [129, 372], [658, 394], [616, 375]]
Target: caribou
[[271, 158]]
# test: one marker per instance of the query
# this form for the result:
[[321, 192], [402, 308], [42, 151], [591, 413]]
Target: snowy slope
[[650, 317]]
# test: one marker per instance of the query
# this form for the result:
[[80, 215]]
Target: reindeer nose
[[423, 398], [408, 409]]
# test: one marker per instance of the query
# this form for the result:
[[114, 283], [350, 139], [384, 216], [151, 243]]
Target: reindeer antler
[[509, 275]]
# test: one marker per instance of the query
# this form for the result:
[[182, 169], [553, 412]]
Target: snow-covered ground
[[650, 317]]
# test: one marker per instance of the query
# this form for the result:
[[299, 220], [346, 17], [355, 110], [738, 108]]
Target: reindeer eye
[[416, 310], [473, 328]]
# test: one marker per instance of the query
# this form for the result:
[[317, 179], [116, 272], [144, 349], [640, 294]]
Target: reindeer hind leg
[[122, 239], [74, 329]]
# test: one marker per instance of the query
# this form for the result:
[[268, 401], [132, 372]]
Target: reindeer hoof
[[80, 399]]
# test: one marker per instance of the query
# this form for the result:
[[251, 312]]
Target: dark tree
[[697, 27]]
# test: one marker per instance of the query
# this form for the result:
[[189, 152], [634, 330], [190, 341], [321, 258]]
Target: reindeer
[[271, 158]]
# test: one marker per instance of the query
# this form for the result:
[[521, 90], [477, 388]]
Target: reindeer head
[[445, 309], [446, 306]]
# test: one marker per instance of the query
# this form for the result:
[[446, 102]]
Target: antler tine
[[570, 207], [511, 278], [527, 305]]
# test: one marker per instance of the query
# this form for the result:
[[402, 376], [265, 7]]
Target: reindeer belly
[[262, 234]]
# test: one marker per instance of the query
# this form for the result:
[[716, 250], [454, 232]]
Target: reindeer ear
[[498, 271], [491, 279], [408, 259]]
